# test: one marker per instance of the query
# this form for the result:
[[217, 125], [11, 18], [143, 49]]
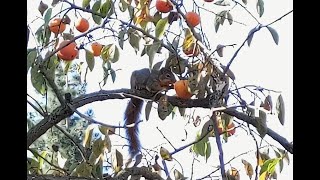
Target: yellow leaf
[[165, 154], [233, 174], [107, 143], [188, 40], [248, 167], [263, 176], [87, 136], [117, 161]]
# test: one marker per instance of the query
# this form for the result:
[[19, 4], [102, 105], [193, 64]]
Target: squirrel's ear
[[164, 70]]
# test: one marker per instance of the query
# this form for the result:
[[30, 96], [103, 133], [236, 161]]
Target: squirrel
[[154, 82]]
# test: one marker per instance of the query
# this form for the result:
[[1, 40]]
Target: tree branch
[[65, 111], [219, 145], [80, 149], [124, 174], [283, 141]]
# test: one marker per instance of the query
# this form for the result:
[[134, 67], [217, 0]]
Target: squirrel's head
[[166, 77]]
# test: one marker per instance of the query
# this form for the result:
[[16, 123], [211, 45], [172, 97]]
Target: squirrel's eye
[[168, 75]]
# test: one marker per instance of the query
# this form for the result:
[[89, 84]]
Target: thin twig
[[192, 168], [73, 6], [217, 49], [165, 168], [36, 108], [187, 145], [103, 124], [52, 85], [236, 53], [166, 138], [220, 15], [146, 34], [257, 146], [247, 11], [244, 153], [80, 149], [219, 145], [37, 103], [259, 88], [37, 154], [280, 18]]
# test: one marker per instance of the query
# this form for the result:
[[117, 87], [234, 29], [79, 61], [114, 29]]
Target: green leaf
[[280, 109], [164, 107], [38, 80], [173, 112], [286, 157], [156, 18], [123, 5], [97, 169], [223, 15], [96, 8], [83, 170], [113, 75], [182, 111], [40, 160], [262, 123], [90, 59], [178, 175], [134, 40], [110, 53], [31, 57], [207, 150], [47, 16], [250, 36], [175, 42], [105, 75], [67, 66], [121, 38], [148, 109], [222, 3], [85, 3], [200, 147], [131, 11], [160, 27], [51, 66], [274, 34], [116, 54], [260, 7], [39, 34], [32, 164], [144, 50], [269, 166], [67, 36], [87, 136], [98, 147], [281, 165], [220, 49], [230, 18], [42, 7], [55, 2], [47, 34], [105, 8], [217, 23], [152, 51]]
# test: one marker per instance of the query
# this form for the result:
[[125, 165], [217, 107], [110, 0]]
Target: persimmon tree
[[65, 143]]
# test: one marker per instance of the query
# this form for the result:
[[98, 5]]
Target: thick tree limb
[[124, 174], [65, 111], [283, 141]]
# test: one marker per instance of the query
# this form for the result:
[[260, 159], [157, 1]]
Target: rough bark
[[65, 111]]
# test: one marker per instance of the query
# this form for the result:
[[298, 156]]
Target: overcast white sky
[[264, 64]]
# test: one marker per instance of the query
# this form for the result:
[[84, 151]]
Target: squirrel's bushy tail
[[131, 116]]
